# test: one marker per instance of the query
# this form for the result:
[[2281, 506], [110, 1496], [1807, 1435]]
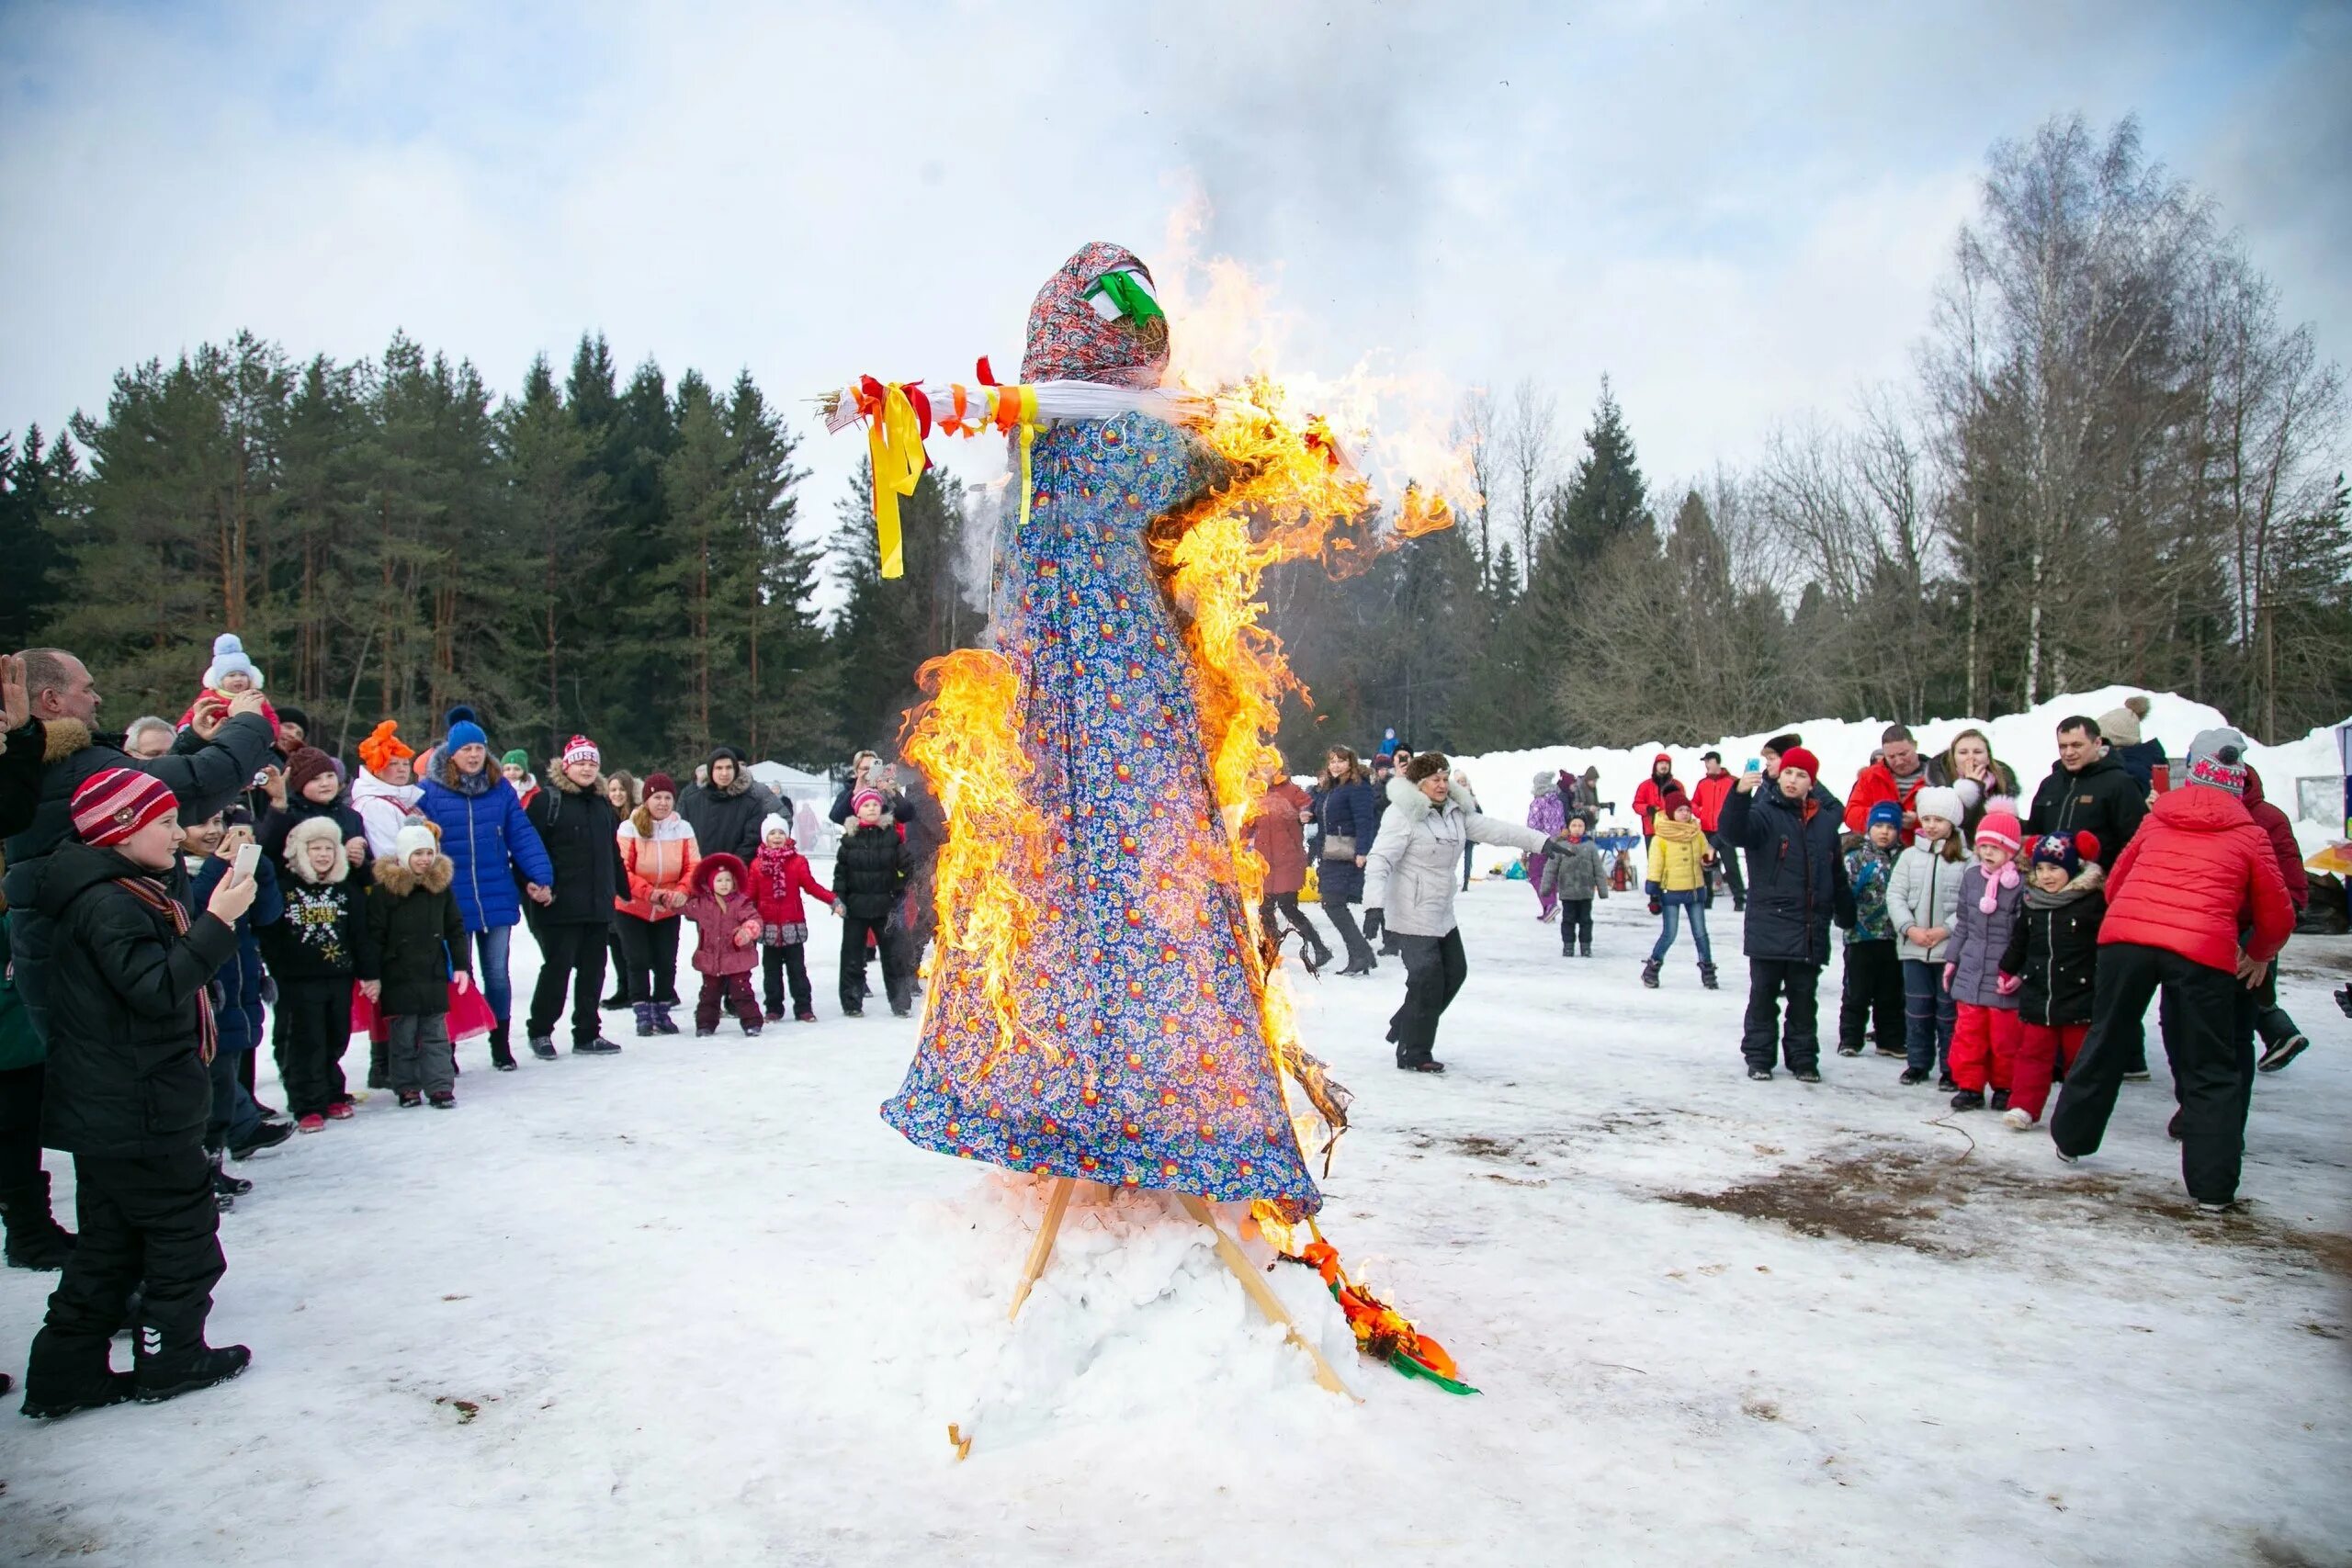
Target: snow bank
[[2027, 742]]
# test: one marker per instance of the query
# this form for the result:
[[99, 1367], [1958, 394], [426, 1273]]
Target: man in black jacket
[[127, 1097], [2089, 791], [208, 768], [726, 813], [580, 830]]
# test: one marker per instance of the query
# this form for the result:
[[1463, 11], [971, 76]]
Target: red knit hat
[[1798, 757], [660, 783], [113, 804]]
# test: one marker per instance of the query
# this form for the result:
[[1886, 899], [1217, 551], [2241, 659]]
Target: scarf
[[208, 1039], [1993, 882], [1678, 831]]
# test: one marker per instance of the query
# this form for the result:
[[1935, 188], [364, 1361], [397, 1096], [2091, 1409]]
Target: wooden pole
[[1042, 1248], [1229, 1253]]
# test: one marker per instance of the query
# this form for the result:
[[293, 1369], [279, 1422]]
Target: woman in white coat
[[1408, 885]]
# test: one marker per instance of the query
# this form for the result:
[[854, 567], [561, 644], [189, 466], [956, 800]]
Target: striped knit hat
[[115, 803], [580, 749]]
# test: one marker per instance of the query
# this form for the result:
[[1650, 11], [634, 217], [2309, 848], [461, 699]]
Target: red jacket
[[1707, 800], [2197, 870], [2273, 821], [1276, 832], [1650, 799], [778, 879], [1874, 784], [721, 923]]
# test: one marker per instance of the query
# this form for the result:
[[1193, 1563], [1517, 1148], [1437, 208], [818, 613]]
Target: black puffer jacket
[[1796, 872], [581, 831], [2103, 799], [414, 932], [727, 821], [870, 870], [2055, 945], [125, 1078]]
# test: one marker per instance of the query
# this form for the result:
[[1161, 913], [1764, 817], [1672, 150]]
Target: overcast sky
[[1738, 211]]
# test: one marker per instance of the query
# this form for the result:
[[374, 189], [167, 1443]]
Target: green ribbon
[[1134, 300]]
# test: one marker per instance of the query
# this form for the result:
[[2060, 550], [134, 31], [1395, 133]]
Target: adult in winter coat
[[384, 794], [487, 839], [34, 1240], [1548, 815], [1346, 823], [207, 767], [1922, 899], [1969, 767], [131, 1033], [2176, 902], [1707, 803], [1899, 774], [870, 873], [1408, 878], [867, 771], [727, 812], [2120, 730], [1277, 831], [658, 857], [313, 789], [2282, 1041], [2052, 968], [1796, 888], [580, 832], [1650, 799], [2089, 791]]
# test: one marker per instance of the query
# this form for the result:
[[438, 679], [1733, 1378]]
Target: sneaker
[[1432, 1066], [853, 1013], [774, 1014], [341, 1111], [1760, 1075], [751, 1029], [2232, 1207], [902, 1012], [2139, 1075], [268, 1135], [1968, 1100], [1849, 1050], [2279, 1055], [600, 1046], [615, 1004], [313, 1122], [167, 1374], [1805, 1075], [2063, 1158], [442, 1100], [804, 1018], [702, 1034], [543, 1047], [2018, 1118], [2000, 1100], [410, 1100], [1912, 1076], [1897, 1052]]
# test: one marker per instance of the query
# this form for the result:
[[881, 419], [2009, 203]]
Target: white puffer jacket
[[1922, 891], [1416, 862]]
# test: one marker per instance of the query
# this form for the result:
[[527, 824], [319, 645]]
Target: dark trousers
[[234, 1115], [733, 994], [1435, 967], [143, 1223], [573, 954], [652, 949], [1286, 905], [854, 929], [1873, 993], [21, 1095], [1928, 1014], [1343, 920], [317, 1014], [780, 961], [1728, 862], [1769, 979], [2207, 1020], [618, 961], [1575, 925]]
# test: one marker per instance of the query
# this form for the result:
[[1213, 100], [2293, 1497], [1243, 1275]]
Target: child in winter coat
[[130, 1035], [1874, 970], [727, 935], [313, 953], [870, 873], [1679, 857], [779, 874], [1921, 898], [1985, 1032], [230, 674], [237, 1127], [2052, 965], [1572, 874], [416, 934]]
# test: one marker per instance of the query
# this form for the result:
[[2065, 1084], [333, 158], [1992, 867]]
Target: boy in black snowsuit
[[870, 873]]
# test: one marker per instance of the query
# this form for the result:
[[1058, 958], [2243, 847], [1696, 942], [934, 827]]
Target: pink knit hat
[[112, 805], [2002, 827]]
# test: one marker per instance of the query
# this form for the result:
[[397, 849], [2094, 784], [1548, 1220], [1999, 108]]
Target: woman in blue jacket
[[489, 841], [1348, 820]]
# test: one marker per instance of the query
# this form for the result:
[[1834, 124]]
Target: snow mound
[[1134, 1322], [2027, 742]]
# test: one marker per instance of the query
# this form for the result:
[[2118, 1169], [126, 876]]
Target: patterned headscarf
[[1067, 341]]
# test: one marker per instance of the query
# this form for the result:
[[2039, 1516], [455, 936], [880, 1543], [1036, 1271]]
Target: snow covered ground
[[695, 1303]]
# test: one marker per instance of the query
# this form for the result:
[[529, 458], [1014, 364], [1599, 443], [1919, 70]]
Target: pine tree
[[33, 483], [557, 495], [788, 668], [887, 628], [1605, 501]]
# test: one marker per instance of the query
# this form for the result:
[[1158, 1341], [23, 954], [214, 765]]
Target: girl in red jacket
[[779, 875], [727, 933], [2174, 901]]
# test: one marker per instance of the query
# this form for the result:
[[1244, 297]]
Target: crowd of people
[[182, 892]]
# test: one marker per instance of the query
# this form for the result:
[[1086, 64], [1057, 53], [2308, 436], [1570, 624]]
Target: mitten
[[1375, 922]]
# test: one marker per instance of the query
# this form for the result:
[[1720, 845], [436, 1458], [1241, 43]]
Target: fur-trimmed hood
[[395, 879], [2090, 880], [710, 866], [561, 781], [315, 829], [1406, 796], [61, 738]]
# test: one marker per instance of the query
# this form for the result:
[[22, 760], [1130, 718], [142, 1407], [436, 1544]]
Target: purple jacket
[[1978, 940]]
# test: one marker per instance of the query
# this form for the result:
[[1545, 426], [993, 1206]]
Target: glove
[[1375, 922], [269, 991], [2009, 984], [1657, 905], [1949, 970]]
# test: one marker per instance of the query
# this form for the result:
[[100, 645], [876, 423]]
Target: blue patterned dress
[[1162, 1076]]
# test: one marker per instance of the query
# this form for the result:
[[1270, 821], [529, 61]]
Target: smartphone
[[1755, 765], [248, 857]]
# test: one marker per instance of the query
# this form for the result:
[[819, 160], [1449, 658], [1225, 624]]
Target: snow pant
[[652, 950], [497, 984], [1769, 979], [422, 1059], [574, 955], [618, 961], [317, 1014], [145, 1224], [1873, 994], [733, 994], [2041, 1047], [1343, 920], [1928, 1016], [1544, 902], [1667, 931], [855, 931], [2207, 1020], [1727, 862], [1287, 904], [1435, 967], [234, 1117], [20, 1098], [1984, 1047], [780, 961], [1575, 925]]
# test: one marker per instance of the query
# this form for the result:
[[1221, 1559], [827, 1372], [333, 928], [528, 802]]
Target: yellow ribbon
[[1028, 434], [895, 440]]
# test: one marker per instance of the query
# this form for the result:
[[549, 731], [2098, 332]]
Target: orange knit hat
[[381, 746]]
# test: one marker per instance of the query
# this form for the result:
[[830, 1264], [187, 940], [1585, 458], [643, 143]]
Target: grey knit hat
[[2217, 760]]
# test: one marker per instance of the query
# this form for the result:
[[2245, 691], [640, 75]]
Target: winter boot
[[662, 1022], [543, 1047], [1968, 1100], [1649, 974], [268, 1135], [1584, 949], [441, 1099], [600, 1046], [500, 1056], [1707, 976], [222, 1182], [644, 1020], [168, 1373], [35, 1238], [62, 1377], [2000, 1100]]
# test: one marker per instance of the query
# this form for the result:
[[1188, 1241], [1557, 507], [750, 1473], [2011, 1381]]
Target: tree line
[[2115, 462]]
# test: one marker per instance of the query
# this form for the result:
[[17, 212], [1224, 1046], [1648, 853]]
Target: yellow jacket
[[1678, 856]]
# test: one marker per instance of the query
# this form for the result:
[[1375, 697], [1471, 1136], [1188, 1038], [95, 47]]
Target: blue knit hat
[[1886, 813], [462, 734]]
